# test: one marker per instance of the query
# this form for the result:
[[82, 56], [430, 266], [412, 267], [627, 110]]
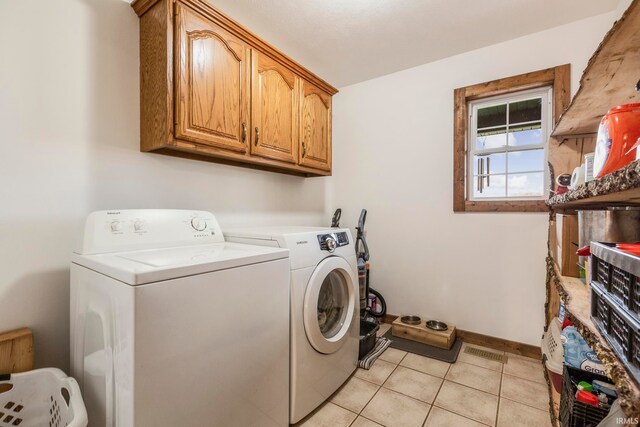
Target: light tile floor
[[406, 390]]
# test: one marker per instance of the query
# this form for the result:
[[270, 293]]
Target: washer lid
[[155, 265]]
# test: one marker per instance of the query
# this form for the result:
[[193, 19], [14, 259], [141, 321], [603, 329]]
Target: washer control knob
[[116, 226], [331, 244], [198, 224], [138, 225]]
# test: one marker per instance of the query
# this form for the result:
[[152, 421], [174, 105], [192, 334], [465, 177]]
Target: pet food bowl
[[411, 320], [436, 325]]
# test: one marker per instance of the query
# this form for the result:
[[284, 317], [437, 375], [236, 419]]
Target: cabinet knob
[[257, 135], [244, 132], [304, 149]]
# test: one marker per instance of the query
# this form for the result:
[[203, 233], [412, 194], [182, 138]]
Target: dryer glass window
[[333, 302]]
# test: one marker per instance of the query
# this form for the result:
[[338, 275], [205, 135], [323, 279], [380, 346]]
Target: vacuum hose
[[381, 302]]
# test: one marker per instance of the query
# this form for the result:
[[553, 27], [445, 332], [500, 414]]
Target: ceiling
[[349, 41]]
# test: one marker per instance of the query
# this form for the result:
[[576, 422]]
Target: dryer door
[[329, 304]]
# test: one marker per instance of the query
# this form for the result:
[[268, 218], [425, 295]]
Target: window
[[507, 146], [501, 131]]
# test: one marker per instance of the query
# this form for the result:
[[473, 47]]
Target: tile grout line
[[471, 388], [516, 401], [523, 404], [436, 396], [460, 415], [434, 400], [449, 367], [375, 394], [499, 399]]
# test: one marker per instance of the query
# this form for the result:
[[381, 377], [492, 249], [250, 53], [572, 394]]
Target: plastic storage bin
[[574, 413], [39, 398], [367, 337], [553, 353]]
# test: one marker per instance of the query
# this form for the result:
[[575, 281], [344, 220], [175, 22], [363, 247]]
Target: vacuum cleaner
[[372, 304], [371, 301]]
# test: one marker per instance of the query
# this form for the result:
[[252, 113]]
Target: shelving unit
[[609, 80], [575, 295], [620, 188]]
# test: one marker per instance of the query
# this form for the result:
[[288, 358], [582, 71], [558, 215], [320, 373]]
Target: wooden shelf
[[555, 401], [620, 188], [575, 295], [609, 79]]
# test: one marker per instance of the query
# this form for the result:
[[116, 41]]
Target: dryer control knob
[[116, 226], [331, 244], [198, 224]]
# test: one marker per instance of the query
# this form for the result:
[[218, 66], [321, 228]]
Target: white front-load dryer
[[324, 309]]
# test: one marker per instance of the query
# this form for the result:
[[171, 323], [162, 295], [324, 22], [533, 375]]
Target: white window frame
[[546, 93]]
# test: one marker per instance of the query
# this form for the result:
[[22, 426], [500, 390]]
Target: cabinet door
[[275, 110], [315, 128], [212, 83]]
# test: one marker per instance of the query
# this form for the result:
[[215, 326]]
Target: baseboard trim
[[501, 344], [495, 343]]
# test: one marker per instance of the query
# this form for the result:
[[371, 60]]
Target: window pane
[[525, 111], [493, 138], [495, 189], [526, 184], [525, 135], [526, 161], [492, 116]]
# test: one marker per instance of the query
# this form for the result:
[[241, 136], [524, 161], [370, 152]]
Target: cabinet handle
[[257, 135], [304, 149], [244, 132]]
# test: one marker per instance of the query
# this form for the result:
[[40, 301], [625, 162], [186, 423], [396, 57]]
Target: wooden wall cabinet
[[275, 110], [315, 128], [212, 90]]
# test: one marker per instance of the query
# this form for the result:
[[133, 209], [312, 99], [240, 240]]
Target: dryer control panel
[[331, 241], [124, 230]]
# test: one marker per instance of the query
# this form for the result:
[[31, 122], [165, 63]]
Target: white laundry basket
[[554, 353], [41, 398]]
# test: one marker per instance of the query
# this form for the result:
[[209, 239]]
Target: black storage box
[[572, 412], [367, 337], [615, 301]]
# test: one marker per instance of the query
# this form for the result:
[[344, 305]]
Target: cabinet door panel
[[315, 128], [275, 110], [212, 93]]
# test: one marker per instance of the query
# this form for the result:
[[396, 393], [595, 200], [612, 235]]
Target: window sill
[[504, 206]]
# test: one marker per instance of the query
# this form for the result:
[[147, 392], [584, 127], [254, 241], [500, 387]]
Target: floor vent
[[486, 354]]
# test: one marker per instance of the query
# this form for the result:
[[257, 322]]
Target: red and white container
[[618, 132]]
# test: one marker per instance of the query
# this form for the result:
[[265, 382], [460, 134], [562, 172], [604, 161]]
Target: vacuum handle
[[360, 240], [363, 218], [335, 221]]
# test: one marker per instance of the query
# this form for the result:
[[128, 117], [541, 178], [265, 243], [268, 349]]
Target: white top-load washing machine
[[324, 308], [173, 326]]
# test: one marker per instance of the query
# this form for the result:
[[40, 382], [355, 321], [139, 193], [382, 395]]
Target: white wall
[[70, 124], [393, 154], [69, 145]]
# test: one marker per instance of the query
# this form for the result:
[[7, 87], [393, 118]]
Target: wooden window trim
[[559, 78]]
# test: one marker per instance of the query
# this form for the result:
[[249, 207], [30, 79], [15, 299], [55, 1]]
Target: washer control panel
[[331, 241], [122, 230]]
